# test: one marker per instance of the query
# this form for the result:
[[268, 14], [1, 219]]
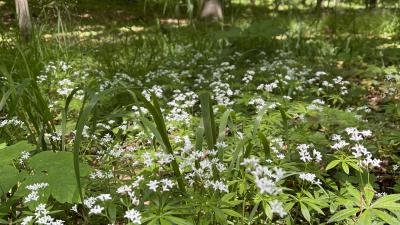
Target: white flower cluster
[[181, 101], [24, 156], [98, 174], [56, 136], [156, 89], [165, 184], [310, 177], [316, 105], [66, 87], [268, 87], [278, 147], [359, 151], [276, 207], [130, 190], [265, 178], [14, 121], [34, 194], [134, 216], [94, 203], [42, 217], [306, 156], [248, 76], [222, 93]]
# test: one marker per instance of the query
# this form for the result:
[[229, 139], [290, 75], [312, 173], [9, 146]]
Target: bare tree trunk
[[213, 9], [24, 19]]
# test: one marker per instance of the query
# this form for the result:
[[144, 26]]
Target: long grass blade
[[208, 119], [64, 117], [82, 120], [162, 133]]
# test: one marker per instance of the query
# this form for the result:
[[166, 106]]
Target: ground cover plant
[[141, 113]]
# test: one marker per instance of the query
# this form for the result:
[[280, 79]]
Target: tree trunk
[[24, 19], [212, 9]]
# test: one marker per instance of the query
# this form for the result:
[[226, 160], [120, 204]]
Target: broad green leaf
[[57, 170], [11, 152], [9, 176], [342, 215]]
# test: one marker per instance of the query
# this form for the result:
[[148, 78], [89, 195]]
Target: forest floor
[[269, 117]]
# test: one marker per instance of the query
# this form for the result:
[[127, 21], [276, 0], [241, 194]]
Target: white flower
[[74, 208], [27, 220], [267, 186], [133, 215], [166, 184], [310, 177], [96, 209], [33, 196], [276, 207], [89, 202], [104, 197], [124, 189], [153, 185], [37, 186]]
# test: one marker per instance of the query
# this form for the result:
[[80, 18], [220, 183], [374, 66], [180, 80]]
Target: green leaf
[[199, 139], [82, 120], [9, 153], [177, 220], [345, 167], [9, 176], [332, 164], [155, 111], [365, 218], [222, 125], [343, 214], [387, 201], [3, 100], [355, 166], [386, 217], [165, 222], [57, 170], [64, 117], [267, 210], [369, 194], [265, 143], [208, 119], [231, 212], [305, 212]]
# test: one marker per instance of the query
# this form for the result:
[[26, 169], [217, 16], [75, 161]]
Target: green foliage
[[56, 169]]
